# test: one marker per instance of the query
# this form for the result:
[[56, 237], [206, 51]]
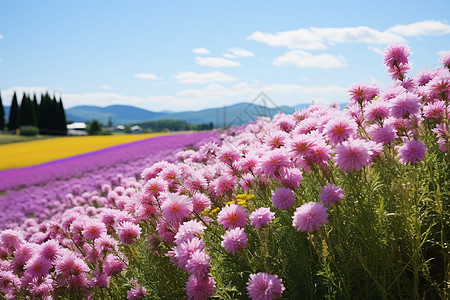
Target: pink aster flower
[[200, 288], [383, 135], [377, 110], [36, 267], [223, 184], [11, 239], [184, 251], [439, 86], [352, 155], [128, 232], [232, 216], [435, 110], [176, 207], [189, 230], [200, 202], [113, 265], [263, 286], [362, 92], [396, 60], [234, 239], [50, 250], [339, 129], [445, 59], [412, 151], [290, 178], [273, 161], [405, 104], [310, 216], [154, 187], [198, 264], [331, 194], [283, 198], [93, 229], [276, 139], [261, 217]]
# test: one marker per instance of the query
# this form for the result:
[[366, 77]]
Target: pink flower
[[50, 250], [339, 129], [290, 178], [405, 104], [310, 216], [352, 155], [377, 110], [361, 92], [263, 286], [232, 216], [435, 110], [383, 135], [11, 239], [175, 208], [445, 59], [189, 230], [37, 267], [234, 239], [396, 60], [331, 194], [223, 184], [261, 217], [273, 161], [128, 232], [184, 251], [283, 198], [198, 264], [276, 139], [93, 229], [200, 288], [113, 265], [200, 202], [412, 151]]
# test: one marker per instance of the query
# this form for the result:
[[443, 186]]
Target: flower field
[[19, 155], [321, 204]]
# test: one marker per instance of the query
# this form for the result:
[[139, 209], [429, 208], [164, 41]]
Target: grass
[[27, 152], [13, 138]]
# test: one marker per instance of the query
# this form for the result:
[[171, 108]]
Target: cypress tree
[[13, 123], [24, 111], [62, 115], [53, 115], [41, 114], [35, 110], [2, 115]]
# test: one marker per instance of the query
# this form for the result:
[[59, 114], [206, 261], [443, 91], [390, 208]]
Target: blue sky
[[191, 55]]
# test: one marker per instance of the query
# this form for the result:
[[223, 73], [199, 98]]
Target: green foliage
[[29, 130], [13, 123], [94, 127], [2, 115], [173, 125]]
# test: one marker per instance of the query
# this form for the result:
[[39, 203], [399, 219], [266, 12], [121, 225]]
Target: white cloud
[[360, 34], [228, 55], [292, 39], [315, 38], [1, 36], [201, 51], [147, 76], [201, 78], [303, 59], [442, 52], [241, 52], [429, 27], [376, 50], [217, 62], [105, 87]]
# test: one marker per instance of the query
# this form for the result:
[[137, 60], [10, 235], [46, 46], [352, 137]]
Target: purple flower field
[[39, 191]]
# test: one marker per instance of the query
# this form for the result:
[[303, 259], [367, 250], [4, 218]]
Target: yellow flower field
[[23, 154]]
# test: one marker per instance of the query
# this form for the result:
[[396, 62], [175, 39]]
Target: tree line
[[48, 116]]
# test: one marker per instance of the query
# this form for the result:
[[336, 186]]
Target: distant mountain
[[235, 114], [120, 114]]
